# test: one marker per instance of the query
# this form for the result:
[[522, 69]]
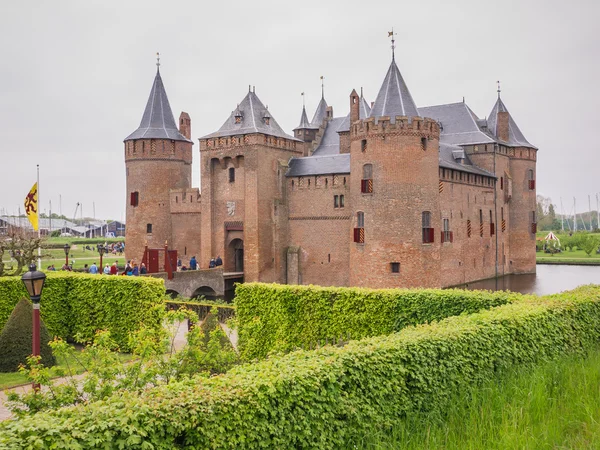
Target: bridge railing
[[225, 312]]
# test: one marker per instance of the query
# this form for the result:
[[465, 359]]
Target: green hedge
[[325, 398], [76, 303], [225, 312], [274, 317]]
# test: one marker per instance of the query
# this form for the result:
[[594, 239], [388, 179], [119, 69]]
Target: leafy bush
[[77, 304], [325, 398], [225, 311], [16, 338], [589, 244], [275, 317]]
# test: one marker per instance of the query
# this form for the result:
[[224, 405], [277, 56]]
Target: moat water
[[549, 279]]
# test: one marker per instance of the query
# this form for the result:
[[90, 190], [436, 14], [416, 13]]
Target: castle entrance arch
[[206, 292], [235, 255]]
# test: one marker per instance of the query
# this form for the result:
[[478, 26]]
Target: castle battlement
[[186, 200], [237, 141], [403, 125]]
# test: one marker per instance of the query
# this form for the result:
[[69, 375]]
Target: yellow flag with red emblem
[[31, 206]]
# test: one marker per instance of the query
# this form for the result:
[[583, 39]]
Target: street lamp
[[101, 251], [34, 283], [67, 249]]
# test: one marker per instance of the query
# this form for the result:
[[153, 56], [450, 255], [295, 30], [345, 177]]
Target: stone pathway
[[179, 342]]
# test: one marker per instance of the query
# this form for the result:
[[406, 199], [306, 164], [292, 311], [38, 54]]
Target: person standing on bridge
[[193, 263]]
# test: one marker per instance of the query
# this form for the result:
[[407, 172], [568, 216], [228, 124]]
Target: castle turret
[[158, 157], [394, 160], [304, 131], [518, 186]]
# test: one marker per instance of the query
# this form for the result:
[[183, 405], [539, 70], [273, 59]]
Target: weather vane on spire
[[157, 59], [498, 83], [392, 34], [302, 94], [322, 86]]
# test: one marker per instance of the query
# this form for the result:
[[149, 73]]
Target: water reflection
[[549, 279]]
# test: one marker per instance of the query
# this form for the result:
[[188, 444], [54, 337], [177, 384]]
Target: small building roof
[[157, 121], [253, 114], [330, 143], [458, 124], [304, 123], [448, 161], [515, 136], [394, 98], [319, 165], [320, 114]]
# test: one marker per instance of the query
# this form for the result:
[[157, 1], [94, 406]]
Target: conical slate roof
[[157, 121], [394, 98], [303, 120], [515, 136], [253, 114], [320, 114]]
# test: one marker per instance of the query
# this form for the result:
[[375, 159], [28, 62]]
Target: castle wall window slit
[[231, 174], [427, 229]]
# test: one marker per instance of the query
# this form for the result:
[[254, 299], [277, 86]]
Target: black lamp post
[[101, 251], [67, 249], [34, 283]]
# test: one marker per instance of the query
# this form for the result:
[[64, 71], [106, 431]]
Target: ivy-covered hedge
[[73, 303], [325, 398], [282, 317]]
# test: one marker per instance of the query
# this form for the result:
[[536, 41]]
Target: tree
[[589, 243], [22, 247], [15, 339]]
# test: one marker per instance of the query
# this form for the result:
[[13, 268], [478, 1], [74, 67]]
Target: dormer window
[[267, 117], [238, 115]]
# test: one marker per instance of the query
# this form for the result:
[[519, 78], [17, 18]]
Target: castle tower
[[394, 191], [158, 157], [244, 213], [304, 131], [518, 187]]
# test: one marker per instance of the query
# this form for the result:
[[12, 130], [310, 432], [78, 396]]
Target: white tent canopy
[[551, 237]]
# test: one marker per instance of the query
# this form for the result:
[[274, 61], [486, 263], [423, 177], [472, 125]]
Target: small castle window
[[428, 231], [363, 145], [135, 198], [341, 201], [176, 199], [395, 267], [149, 228], [423, 143], [359, 231], [336, 202], [231, 174]]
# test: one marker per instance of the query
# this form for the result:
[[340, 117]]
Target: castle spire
[[502, 125], [394, 98], [158, 121], [322, 87]]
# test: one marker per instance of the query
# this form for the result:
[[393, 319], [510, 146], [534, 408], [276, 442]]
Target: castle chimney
[[354, 105], [185, 125], [502, 126]]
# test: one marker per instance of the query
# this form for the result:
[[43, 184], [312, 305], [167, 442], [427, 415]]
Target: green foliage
[[281, 318], [155, 363], [589, 244], [329, 397], [202, 308], [16, 339], [78, 304]]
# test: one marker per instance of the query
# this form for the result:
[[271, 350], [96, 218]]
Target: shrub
[[275, 317], [76, 304], [16, 338], [326, 398]]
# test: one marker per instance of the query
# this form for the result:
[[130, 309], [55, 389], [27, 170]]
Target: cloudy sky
[[75, 77]]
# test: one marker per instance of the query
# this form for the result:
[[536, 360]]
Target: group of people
[[214, 262], [131, 269]]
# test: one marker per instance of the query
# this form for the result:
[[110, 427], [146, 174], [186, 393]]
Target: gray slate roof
[[394, 98], [447, 161], [304, 123], [320, 114], [330, 143], [459, 124], [253, 113], [515, 136], [157, 121], [319, 165], [364, 110]]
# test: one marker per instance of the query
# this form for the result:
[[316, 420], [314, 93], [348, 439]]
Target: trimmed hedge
[[75, 303], [274, 317], [326, 398]]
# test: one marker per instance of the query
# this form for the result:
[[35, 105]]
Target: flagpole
[[38, 214]]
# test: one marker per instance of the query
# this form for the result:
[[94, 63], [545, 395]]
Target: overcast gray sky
[[75, 77]]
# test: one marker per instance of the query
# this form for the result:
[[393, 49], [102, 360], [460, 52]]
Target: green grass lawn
[[77, 253], [566, 257], [552, 406], [11, 379]]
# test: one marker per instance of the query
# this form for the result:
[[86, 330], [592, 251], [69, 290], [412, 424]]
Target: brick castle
[[389, 195]]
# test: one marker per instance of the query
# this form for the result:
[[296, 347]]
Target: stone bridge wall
[[186, 283]]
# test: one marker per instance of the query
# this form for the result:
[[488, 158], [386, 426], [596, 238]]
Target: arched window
[[428, 231], [531, 179], [359, 231], [366, 185]]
